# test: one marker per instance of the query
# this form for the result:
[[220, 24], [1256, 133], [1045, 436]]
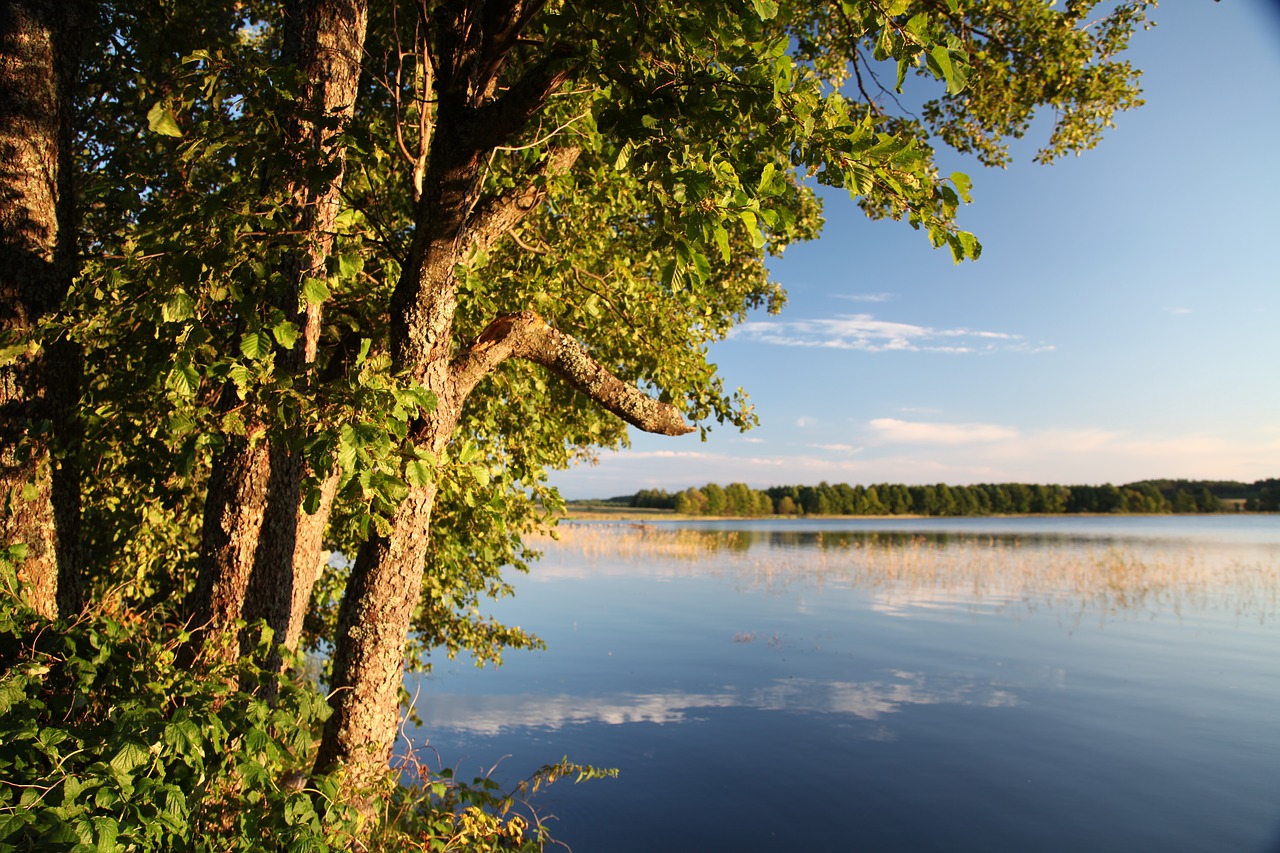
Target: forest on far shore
[[1147, 496]]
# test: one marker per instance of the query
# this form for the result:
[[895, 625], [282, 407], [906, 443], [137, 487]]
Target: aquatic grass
[[948, 571]]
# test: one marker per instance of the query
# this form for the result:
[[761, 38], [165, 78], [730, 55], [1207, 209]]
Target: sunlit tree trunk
[[386, 580], [39, 379]]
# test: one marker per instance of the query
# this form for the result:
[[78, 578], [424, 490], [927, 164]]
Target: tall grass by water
[[943, 571]]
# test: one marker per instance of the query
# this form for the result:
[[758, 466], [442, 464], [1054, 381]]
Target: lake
[[1046, 684]]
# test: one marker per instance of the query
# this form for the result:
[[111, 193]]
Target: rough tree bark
[[39, 380], [260, 551], [385, 583], [470, 50]]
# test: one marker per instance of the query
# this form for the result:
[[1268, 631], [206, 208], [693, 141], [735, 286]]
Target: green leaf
[[255, 345], [347, 449], [179, 307], [748, 218], [722, 241], [467, 452], [286, 334], [106, 831], [130, 756], [701, 266], [314, 291], [346, 219], [624, 156], [161, 121], [417, 473], [349, 266], [766, 9], [861, 178], [963, 184], [183, 381], [940, 61]]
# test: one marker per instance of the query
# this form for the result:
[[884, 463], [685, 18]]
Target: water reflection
[[489, 714], [1014, 687], [912, 569]]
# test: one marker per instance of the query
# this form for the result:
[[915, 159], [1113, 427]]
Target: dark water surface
[[1101, 684]]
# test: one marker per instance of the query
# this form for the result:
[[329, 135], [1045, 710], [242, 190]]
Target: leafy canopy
[[701, 132]]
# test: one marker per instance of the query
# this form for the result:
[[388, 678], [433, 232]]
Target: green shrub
[[106, 744]]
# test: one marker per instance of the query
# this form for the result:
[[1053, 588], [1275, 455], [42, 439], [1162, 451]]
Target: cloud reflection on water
[[492, 714]]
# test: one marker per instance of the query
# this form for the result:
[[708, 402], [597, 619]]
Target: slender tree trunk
[[39, 380], [260, 552], [234, 507], [368, 662], [386, 580]]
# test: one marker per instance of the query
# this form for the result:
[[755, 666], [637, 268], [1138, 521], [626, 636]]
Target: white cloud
[[694, 456], [837, 448], [1178, 310], [864, 297], [917, 432], [804, 422], [490, 714], [864, 332]]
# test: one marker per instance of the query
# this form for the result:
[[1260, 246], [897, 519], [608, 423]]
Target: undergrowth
[[106, 744]]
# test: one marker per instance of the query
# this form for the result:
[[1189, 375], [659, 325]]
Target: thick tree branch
[[526, 335], [498, 215], [498, 121]]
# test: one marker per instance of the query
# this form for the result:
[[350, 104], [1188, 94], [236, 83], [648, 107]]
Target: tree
[[691, 502], [717, 503], [39, 374], [871, 503], [380, 306], [257, 537]]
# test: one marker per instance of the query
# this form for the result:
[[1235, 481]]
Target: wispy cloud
[[1178, 310], [864, 297], [490, 714], [864, 332], [920, 432], [836, 448], [803, 422], [697, 456]]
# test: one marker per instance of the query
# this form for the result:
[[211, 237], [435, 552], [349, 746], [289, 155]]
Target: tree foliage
[[1148, 496]]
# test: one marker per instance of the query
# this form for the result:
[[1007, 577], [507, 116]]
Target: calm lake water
[[1061, 684]]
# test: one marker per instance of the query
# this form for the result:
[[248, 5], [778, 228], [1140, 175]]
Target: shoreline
[[640, 514]]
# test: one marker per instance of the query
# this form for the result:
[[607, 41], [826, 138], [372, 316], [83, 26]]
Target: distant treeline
[[1148, 496]]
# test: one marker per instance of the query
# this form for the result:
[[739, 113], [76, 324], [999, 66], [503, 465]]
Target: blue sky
[[1121, 324]]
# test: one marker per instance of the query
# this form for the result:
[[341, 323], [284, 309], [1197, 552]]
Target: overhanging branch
[[526, 335]]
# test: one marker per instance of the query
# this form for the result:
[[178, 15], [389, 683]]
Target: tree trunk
[[368, 662], [386, 580], [234, 508], [39, 379], [259, 559]]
